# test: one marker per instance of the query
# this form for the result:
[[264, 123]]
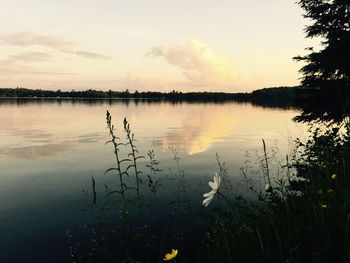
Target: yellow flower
[[323, 205], [334, 176], [170, 256]]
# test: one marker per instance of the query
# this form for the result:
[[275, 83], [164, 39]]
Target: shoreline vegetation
[[276, 97], [299, 214]]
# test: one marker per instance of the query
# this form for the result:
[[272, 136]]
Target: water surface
[[50, 149]]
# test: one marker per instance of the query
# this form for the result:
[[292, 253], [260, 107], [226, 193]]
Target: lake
[[50, 149]]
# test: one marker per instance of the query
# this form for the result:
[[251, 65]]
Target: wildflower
[[214, 186], [334, 176], [170, 256], [330, 191], [323, 205], [268, 187]]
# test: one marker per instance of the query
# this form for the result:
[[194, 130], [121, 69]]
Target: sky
[[158, 45]]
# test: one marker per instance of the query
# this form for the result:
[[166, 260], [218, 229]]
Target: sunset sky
[[186, 45]]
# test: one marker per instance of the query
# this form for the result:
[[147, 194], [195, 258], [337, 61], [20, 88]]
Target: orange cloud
[[200, 65]]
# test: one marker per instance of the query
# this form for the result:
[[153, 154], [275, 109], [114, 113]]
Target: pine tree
[[327, 69]]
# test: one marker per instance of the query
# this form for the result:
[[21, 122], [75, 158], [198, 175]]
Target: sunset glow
[[206, 45]]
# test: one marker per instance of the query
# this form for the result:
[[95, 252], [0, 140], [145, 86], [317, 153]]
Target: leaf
[[131, 165], [113, 192], [125, 160], [131, 188], [125, 174], [111, 169]]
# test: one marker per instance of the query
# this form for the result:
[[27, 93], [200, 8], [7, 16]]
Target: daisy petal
[[216, 176], [209, 194], [212, 184], [217, 180], [208, 200]]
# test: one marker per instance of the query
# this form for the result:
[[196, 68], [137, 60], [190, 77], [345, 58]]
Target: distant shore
[[279, 95]]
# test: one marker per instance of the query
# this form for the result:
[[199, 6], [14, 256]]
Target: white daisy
[[214, 186]]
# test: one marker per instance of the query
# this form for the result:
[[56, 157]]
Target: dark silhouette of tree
[[280, 97], [327, 69]]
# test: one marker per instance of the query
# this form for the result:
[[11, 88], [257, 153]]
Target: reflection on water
[[39, 143], [37, 151], [32, 135], [50, 149], [197, 133], [90, 137]]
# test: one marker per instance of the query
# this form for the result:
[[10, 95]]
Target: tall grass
[[301, 213], [303, 217]]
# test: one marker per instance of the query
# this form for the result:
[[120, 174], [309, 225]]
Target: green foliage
[[305, 218], [20, 92], [330, 20], [129, 224], [328, 68]]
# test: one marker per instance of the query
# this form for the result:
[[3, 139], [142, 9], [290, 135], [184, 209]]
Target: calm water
[[49, 150]]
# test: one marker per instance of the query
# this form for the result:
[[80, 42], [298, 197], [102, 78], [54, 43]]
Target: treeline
[[290, 96], [98, 94], [283, 96], [287, 93]]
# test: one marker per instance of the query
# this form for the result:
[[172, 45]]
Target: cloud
[[91, 55], [25, 39], [18, 64], [30, 57], [11, 67], [29, 39], [200, 65]]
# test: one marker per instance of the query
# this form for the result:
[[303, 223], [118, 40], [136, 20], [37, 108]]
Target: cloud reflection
[[91, 137], [37, 151], [197, 136], [34, 135], [43, 144]]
